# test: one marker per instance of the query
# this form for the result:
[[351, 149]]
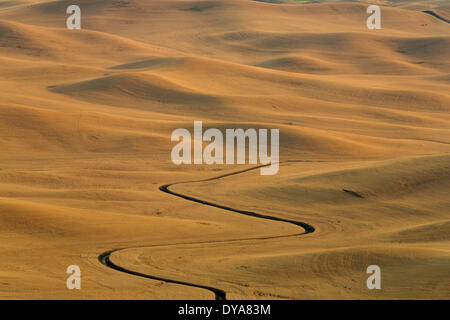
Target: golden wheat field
[[86, 176]]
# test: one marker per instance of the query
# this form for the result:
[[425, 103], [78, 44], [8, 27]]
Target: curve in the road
[[104, 258], [434, 14]]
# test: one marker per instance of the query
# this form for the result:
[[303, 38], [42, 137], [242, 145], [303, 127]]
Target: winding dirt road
[[104, 258], [434, 14]]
